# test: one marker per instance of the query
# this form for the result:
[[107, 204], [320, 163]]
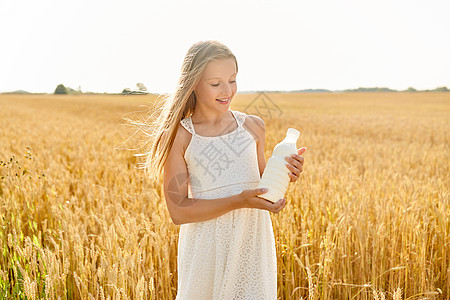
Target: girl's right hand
[[250, 200]]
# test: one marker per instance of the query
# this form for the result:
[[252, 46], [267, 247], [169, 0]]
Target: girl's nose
[[227, 90]]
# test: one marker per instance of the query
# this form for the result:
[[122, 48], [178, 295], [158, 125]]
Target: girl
[[213, 159]]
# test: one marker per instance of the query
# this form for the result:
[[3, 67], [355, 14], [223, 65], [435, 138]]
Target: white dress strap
[[240, 117], [187, 124]]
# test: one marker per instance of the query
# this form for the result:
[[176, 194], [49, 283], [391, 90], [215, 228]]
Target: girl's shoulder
[[253, 124], [249, 118], [244, 116], [240, 116]]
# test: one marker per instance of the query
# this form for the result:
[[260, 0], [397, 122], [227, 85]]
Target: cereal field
[[368, 219]]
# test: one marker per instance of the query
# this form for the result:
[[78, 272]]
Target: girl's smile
[[224, 101]]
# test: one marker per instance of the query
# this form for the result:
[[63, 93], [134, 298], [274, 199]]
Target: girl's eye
[[218, 83]]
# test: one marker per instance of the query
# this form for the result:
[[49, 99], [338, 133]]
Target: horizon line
[[318, 90]]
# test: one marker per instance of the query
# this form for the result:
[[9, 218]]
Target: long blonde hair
[[178, 105]]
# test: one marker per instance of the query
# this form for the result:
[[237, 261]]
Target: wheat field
[[368, 218]]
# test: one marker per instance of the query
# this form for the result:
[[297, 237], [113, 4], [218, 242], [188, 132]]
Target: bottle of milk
[[276, 174]]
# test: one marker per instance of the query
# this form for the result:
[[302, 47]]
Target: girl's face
[[218, 82]]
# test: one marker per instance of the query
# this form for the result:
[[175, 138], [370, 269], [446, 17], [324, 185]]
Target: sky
[[108, 45]]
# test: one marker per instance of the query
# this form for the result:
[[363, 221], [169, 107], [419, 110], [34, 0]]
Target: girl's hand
[[250, 200], [295, 164]]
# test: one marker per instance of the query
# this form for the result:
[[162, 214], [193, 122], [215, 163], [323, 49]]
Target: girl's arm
[[257, 126], [181, 208]]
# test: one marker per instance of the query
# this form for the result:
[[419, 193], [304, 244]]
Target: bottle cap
[[294, 132]]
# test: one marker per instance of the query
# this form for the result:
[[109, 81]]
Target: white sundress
[[232, 256]]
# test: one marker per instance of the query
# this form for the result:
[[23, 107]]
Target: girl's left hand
[[295, 164]]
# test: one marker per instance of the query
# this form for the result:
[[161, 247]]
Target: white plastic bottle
[[276, 174]]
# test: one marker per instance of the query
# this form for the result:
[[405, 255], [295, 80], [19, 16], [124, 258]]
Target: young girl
[[213, 159]]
